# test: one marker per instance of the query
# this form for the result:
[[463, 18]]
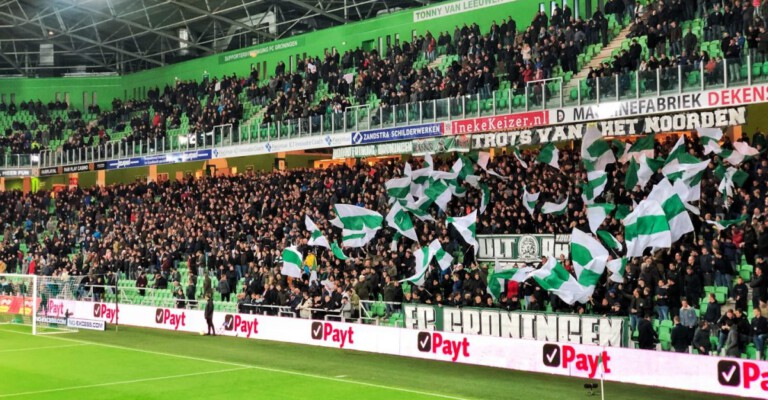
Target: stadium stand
[[162, 239]]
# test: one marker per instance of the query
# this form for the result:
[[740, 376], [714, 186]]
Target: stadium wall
[[747, 378], [344, 37]]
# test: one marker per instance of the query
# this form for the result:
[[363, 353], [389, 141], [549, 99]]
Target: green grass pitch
[[135, 363]]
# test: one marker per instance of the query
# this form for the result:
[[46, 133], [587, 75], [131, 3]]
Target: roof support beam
[[45, 28], [317, 10], [222, 19]]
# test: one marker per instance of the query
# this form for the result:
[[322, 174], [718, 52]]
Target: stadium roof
[[57, 37]]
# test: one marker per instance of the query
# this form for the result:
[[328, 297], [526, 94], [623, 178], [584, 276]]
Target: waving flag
[[597, 213], [529, 200], [549, 155], [466, 228], [552, 277], [646, 226], [291, 263], [589, 258], [317, 238], [399, 219], [555, 208]]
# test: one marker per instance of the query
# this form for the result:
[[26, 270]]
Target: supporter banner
[[397, 133], [372, 150], [15, 173], [717, 375], [664, 104], [16, 305], [460, 143], [566, 328], [283, 145], [86, 324], [75, 168], [498, 123], [261, 50], [49, 171], [454, 8], [621, 127], [522, 248]]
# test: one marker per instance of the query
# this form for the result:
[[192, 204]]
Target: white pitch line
[[98, 385], [282, 371], [44, 347]]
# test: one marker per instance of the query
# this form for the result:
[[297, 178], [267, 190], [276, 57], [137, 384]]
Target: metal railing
[[551, 93]]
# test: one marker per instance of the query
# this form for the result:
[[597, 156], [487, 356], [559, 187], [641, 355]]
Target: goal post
[[37, 302]]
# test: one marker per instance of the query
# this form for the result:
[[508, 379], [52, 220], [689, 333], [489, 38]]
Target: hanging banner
[[444, 144], [562, 328], [522, 248], [621, 127], [397, 133]]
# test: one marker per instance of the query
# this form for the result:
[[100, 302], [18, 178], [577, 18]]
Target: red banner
[[508, 122], [17, 305]]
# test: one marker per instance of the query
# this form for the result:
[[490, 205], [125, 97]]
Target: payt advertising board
[[714, 375]]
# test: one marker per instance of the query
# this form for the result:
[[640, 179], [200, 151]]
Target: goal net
[[39, 303]]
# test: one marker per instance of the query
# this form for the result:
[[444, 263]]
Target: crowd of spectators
[[234, 228]]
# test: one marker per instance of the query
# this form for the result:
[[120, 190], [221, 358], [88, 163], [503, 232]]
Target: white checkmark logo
[[552, 355], [317, 331], [730, 373], [229, 324], [423, 343]]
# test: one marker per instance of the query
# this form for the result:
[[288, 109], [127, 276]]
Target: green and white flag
[[643, 146], [466, 226], [684, 166], [595, 185], [356, 218], [709, 138], [486, 198], [640, 172], [439, 192], [420, 208], [596, 153], [441, 256], [618, 269], [337, 252], [529, 200], [549, 155], [610, 240], [399, 219], [552, 277], [741, 152], [350, 238], [555, 208], [423, 257], [674, 208], [495, 278], [597, 213], [519, 157], [677, 150], [359, 225], [726, 223], [646, 226], [317, 238], [291, 262], [398, 188], [730, 178], [589, 258]]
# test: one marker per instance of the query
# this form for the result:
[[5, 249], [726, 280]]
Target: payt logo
[[730, 373], [106, 312], [432, 342], [55, 309], [165, 316], [567, 357], [238, 324], [326, 332]]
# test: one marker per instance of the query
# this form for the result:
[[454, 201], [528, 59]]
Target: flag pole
[[602, 378]]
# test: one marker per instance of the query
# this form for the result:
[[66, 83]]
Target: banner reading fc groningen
[[522, 248], [549, 327]]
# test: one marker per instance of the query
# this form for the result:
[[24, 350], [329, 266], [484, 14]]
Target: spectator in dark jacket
[[646, 335], [680, 339]]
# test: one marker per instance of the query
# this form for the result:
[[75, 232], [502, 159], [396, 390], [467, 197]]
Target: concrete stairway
[[598, 59]]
